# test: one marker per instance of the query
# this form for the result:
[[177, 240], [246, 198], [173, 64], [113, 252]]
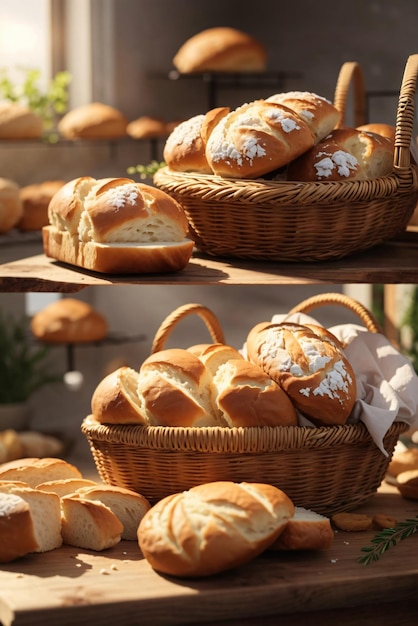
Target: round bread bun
[[345, 154], [318, 112], [18, 121], [174, 389], [93, 121], [309, 367], [115, 399], [146, 127], [69, 321], [246, 396], [213, 527], [221, 49], [257, 138], [185, 148], [11, 208], [35, 201]]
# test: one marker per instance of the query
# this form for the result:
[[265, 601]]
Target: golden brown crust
[[306, 530], [220, 49], [18, 121], [385, 130], [35, 201], [352, 522], [66, 205], [146, 127], [34, 471], [11, 207], [89, 524], [403, 461], [212, 527], [69, 320], [115, 399], [184, 149], [17, 534], [93, 121], [407, 484]]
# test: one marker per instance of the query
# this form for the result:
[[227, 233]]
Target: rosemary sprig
[[387, 538]]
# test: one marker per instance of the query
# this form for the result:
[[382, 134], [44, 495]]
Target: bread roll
[[37, 444], [115, 399], [403, 461], [35, 201], [306, 530], [146, 127], [18, 121], [117, 226], [345, 154], [93, 121], [256, 139], [319, 113], [309, 366], [89, 525], [185, 148], [174, 390], [212, 527], [17, 533], [246, 396], [69, 320], [221, 49], [407, 484], [34, 471], [11, 208]]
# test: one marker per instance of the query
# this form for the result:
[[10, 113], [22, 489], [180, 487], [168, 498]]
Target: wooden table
[[70, 586]]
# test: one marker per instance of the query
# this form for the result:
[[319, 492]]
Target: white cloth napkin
[[387, 384]]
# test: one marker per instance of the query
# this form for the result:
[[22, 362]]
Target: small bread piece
[[345, 154], [146, 127], [221, 49], [257, 138], [18, 121], [46, 515], [11, 208], [403, 461], [93, 121], [17, 533], [66, 486], [318, 112], [128, 506], [174, 390], [35, 201], [89, 525], [69, 320], [34, 471], [212, 527], [381, 520], [309, 365], [115, 399], [246, 396], [407, 484], [352, 521], [306, 530]]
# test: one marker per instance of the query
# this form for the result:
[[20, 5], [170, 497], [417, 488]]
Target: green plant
[[387, 538], [145, 171], [48, 104], [23, 365]]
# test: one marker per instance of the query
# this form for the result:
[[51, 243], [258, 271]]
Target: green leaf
[[387, 538]]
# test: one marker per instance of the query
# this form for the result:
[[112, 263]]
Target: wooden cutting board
[[77, 587]]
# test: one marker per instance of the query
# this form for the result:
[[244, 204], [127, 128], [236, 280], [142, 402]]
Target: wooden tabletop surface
[[73, 586]]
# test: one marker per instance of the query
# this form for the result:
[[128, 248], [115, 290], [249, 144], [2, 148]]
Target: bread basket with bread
[[275, 219], [327, 467]]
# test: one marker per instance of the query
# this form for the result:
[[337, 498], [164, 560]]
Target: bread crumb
[[104, 572], [114, 567]]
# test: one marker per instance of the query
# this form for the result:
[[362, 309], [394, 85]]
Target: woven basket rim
[[222, 439]]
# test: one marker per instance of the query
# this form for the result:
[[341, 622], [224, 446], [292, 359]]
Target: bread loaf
[[212, 527], [17, 533], [216, 354], [18, 121], [403, 461], [34, 471], [146, 127], [35, 201], [345, 154], [385, 130], [115, 399], [11, 208], [319, 113], [69, 320], [89, 525], [257, 138], [309, 366], [117, 226], [93, 121], [221, 49], [305, 530]]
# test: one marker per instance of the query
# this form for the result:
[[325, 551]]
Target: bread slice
[[33, 470], [46, 515], [128, 506], [89, 525], [306, 530], [66, 486], [17, 532]]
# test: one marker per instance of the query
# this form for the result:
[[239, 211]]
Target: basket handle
[[405, 114], [356, 307], [351, 75], [166, 327]]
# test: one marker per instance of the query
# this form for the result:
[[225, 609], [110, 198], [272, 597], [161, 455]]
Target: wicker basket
[[327, 469], [300, 221]]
